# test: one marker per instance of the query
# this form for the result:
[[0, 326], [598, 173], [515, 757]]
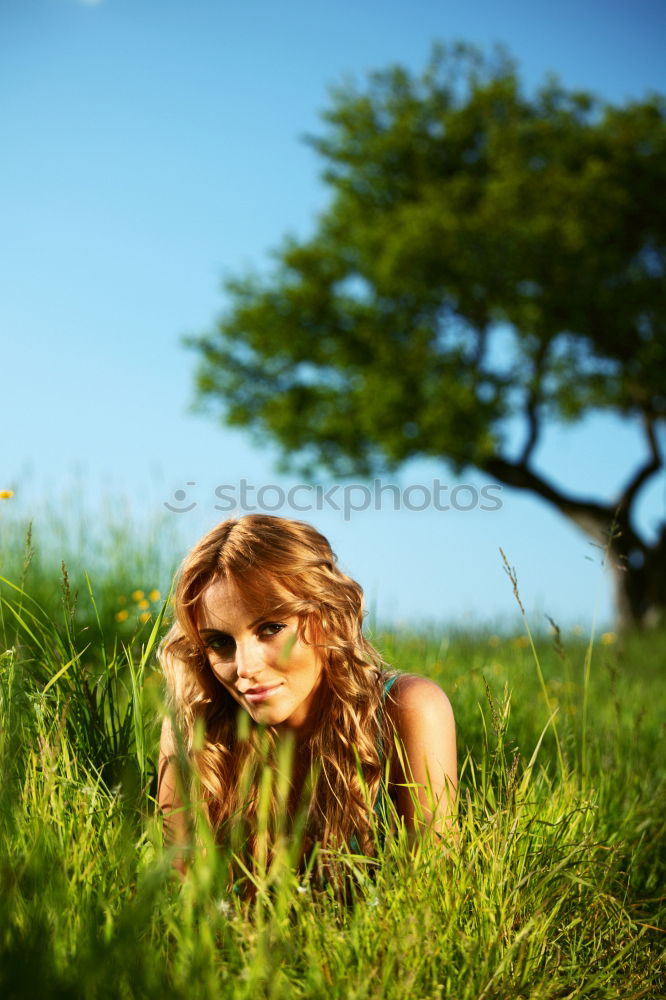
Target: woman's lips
[[260, 693]]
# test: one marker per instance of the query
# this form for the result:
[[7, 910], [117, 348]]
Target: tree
[[486, 257]]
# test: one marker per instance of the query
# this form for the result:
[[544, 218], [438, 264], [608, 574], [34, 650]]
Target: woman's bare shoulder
[[411, 693], [423, 720], [167, 738]]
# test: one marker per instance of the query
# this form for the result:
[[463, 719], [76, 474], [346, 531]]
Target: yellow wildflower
[[143, 604], [122, 599], [122, 616], [6, 494], [144, 617], [577, 629], [154, 595], [137, 595], [494, 640], [607, 638], [520, 642]]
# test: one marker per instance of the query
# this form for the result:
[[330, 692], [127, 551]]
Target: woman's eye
[[220, 644], [272, 628]]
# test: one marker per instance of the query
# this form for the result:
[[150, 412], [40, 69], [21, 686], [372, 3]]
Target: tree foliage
[[486, 256]]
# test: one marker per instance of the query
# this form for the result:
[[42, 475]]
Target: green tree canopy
[[486, 256]]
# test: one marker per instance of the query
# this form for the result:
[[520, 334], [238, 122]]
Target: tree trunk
[[640, 584], [639, 569]]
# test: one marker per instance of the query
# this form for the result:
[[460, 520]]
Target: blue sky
[[153, 147]]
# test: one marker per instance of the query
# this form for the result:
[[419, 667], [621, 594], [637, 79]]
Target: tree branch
[[481, 343], [534, 430], [594, 518], [532, 405], [653, 464]]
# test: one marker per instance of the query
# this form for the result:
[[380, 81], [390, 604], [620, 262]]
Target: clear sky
[[152, 146]]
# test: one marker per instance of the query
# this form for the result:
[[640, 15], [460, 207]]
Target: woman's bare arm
[[424, 723], [175, 821]]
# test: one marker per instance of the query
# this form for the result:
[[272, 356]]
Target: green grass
[[556, 889]]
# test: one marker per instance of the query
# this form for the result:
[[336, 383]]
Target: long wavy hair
[[281, 568]]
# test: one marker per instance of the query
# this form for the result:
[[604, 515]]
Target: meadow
[[555, 889]]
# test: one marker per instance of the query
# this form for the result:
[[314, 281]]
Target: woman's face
[[261, 662]]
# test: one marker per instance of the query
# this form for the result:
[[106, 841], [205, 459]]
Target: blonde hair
[[283, 568]]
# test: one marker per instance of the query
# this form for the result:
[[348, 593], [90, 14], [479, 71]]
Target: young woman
[[268, 630]]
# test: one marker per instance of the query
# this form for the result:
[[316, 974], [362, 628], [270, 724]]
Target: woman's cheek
[[220, 673]]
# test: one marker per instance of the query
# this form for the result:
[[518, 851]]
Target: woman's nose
[[248, 659]]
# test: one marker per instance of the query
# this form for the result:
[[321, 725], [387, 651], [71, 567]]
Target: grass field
[[556, 889]]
